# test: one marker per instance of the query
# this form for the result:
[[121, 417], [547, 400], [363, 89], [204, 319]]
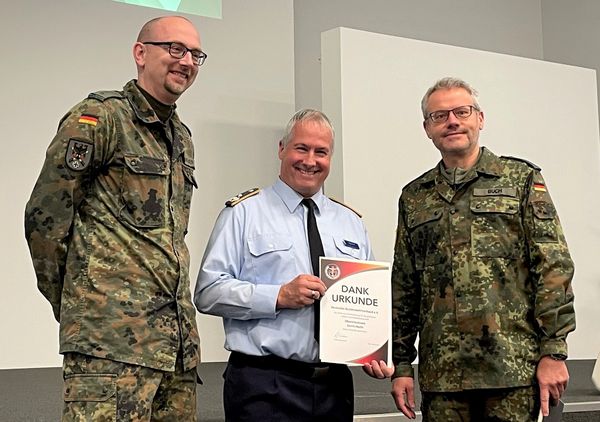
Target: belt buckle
[[320, 371]]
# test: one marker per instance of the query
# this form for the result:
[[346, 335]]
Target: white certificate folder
[[356, 311]]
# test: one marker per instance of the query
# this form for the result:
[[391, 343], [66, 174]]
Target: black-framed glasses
[[461, 113], [178, 51]]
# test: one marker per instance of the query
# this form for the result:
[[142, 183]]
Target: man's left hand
[[553, 377], [378, 369]]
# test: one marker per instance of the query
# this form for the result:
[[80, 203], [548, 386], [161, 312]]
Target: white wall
[[55, 53], [541, 111], [571, 32], [507, 26]]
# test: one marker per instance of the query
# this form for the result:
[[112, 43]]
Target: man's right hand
[[300, 292], [404, 396]]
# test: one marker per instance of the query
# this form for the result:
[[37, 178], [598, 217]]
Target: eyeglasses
[[178, 51], [461, 113]]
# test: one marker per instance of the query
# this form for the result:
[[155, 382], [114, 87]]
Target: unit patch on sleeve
[[79, 154]]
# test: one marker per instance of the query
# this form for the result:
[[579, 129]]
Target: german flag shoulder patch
[[88, 119]]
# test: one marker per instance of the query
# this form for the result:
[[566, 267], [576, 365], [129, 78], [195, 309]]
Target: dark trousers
[[268, 388]]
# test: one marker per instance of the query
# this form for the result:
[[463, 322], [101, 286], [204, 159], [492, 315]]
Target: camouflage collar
[[488, 163], [140, 105]]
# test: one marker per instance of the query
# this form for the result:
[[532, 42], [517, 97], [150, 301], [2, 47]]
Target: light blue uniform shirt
[[259, 245]]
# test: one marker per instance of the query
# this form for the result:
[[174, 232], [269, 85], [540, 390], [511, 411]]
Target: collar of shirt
[[292, 199]]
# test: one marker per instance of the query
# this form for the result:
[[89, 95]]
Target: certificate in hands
[[356, 322]]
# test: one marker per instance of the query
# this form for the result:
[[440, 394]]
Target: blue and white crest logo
[[79, 154]]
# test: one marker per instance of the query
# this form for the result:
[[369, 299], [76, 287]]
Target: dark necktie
[[316, 250]]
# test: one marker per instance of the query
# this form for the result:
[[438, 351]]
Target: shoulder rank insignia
[[105, 95], [529, 163], [79, 154], [344, 205], [241, 196]]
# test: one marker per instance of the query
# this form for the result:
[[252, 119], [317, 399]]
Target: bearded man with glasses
[[105, 226], [482, 274]]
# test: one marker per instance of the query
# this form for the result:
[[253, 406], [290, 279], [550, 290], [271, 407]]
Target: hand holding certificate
[[356, 321]]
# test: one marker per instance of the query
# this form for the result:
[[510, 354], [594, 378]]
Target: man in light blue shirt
[[257, 275]]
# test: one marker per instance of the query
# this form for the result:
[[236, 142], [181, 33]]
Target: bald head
[[147, 33]]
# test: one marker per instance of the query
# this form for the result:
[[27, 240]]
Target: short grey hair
[[306, 115], [448, 83]]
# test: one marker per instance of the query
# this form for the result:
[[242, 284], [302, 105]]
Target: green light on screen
[[209, 8]]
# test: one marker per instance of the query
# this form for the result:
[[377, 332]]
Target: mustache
[[454, 132]]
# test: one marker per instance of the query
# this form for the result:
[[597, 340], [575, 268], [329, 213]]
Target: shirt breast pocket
[[144, 188], [348, 248], [495, 227], [272, 258], [426, 237]]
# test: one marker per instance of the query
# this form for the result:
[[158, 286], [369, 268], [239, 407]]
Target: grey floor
[[34, 395]]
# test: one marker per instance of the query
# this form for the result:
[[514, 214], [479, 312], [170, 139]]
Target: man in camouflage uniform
[[105, 226], [482, 273]]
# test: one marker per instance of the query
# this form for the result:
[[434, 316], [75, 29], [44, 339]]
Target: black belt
[[297, 368]]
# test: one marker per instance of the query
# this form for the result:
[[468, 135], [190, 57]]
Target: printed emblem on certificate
[[356, 321]]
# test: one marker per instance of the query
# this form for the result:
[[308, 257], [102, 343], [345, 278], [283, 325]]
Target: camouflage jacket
[[483, 275], [105, 226]]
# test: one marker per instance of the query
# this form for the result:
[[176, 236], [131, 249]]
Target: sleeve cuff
[[265, 300], [404, 370], [554, 347]]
